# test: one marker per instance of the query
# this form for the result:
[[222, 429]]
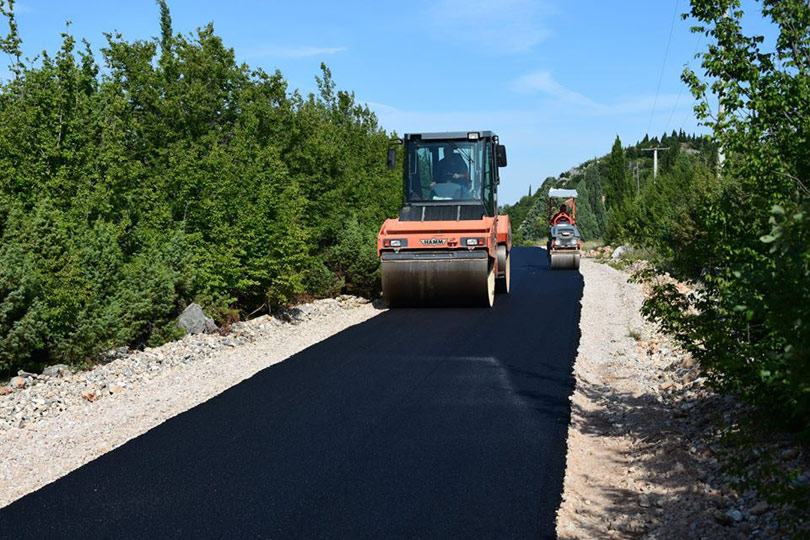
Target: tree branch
[[801, 185]]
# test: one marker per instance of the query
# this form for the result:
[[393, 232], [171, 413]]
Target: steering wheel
[[446, 178]]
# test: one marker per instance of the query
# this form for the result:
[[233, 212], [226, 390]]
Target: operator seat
[[562, 218]]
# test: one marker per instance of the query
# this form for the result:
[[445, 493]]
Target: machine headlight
[[395, 242], [473, 242]]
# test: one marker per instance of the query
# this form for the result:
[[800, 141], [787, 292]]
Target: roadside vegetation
[[164, 172], [736, 231], [741, 232]]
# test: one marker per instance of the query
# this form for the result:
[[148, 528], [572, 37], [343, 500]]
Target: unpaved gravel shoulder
[[94, 416], [598, 481], [645, 442]]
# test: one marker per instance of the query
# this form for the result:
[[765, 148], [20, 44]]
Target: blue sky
[[557, 80]]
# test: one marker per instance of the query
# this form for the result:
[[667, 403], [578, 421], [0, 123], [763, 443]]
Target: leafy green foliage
[[785, 287], [354, 255], [174, 174], [740, 232]]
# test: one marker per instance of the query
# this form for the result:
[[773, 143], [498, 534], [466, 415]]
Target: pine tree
[[618, 186], [593, 184]]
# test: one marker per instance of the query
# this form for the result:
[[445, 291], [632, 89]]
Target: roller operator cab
[[448, 246]]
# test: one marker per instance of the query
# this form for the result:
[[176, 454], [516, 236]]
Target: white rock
[[619, 253]]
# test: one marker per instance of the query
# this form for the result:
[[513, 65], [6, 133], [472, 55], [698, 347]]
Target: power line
[[663, 66], [680, 89], [721, 109]]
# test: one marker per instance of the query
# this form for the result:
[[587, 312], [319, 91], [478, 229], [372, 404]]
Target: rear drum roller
[[502, 283]]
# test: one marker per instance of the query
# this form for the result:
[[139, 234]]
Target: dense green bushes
[[172, 174], [740, 233]]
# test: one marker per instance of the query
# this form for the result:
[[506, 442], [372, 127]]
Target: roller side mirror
[[500, 152], [392, 159]]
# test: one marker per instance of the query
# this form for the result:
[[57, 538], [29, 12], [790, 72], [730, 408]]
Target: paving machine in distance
[[448, 246], [564, 245]]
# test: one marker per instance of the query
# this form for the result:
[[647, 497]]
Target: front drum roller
[[503, 282], [452, 278], [564, 260]]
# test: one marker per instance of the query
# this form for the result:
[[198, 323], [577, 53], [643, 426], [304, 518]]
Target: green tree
[[175, 174], [596, 199], [618, 190], [749, 325]]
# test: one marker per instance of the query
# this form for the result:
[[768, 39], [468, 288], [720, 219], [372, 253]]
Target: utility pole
[[655, 157]]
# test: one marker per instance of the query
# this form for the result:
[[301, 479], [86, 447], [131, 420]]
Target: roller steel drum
[[451, 278], [561, 260]]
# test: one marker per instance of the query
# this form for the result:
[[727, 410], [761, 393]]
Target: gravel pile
[[646, 447], [54, 422]]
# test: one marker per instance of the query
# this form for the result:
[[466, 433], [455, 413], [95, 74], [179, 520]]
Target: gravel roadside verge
[[55, 424], [597, 463]]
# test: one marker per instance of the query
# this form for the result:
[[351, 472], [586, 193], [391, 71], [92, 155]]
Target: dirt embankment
[[645, 448]]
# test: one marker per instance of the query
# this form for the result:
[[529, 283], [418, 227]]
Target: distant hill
[[593, 179]]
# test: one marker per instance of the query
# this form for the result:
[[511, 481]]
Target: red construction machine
[[448, 246], [564, 246]]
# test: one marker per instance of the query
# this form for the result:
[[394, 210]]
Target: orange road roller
[[448, 246], [564, 247]]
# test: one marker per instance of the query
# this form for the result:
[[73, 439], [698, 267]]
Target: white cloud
[[293, 52], [543, 82], [506, 26]]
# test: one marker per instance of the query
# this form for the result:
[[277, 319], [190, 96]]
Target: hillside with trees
[[611, 185], [164, 172]]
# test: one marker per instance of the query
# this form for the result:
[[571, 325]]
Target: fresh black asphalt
[[419, 423]]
